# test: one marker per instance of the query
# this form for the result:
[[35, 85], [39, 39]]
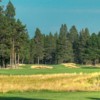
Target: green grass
[[57, 69], [47, 95]]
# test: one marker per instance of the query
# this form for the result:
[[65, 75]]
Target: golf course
[[49, 49], [50, 82]]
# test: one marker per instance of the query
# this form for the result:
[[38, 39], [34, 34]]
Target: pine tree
[[98, 47], [74, 38], [10, 10], [10, 14], [21, 42], [73, 34], [83, 41], [50, 48], [93, 49], [1, 9], [14, 39], [39, 45], [4, 43], [54, 54], [64, 47], [24, 49], [32, 51]]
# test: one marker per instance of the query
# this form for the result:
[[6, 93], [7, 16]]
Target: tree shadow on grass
[[94, 98], [19, 98], [90, 67]]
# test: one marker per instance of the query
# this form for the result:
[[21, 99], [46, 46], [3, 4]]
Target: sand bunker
[[41, 67], [70, 65], [22, 64]]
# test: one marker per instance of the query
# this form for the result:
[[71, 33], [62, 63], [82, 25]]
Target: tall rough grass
[[55, 82]]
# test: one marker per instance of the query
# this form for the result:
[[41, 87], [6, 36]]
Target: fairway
[[47, 95], [58, 83], [26, 70]]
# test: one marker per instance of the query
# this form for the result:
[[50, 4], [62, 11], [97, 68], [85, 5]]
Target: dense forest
[[68, 45]]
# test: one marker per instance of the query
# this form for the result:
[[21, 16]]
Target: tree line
[[54, 48], [13, 37], [65, 46]]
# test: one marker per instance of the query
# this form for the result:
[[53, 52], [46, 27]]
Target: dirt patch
[[70, 65], [41, 67]]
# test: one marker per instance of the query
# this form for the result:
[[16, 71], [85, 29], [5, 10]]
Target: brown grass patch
[[54, 82], [70, 65], [41, 67]]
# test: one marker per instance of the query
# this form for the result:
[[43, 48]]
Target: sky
[[48, 15]]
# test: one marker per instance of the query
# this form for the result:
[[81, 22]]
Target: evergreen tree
[[21, 42], [10, 10], [24, 51], [16, 46], [50, 48], [83, 47], [98, 47], [64, 47], [32, 51], [1, 9], [73, 34], [4, 43], [93, 49], [55, 48], [74, 38], [10, 14], [39, 45]]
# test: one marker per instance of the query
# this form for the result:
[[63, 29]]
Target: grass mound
[[41, 67], [70, 65]]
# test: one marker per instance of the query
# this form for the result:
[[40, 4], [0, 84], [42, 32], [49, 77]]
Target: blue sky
[[48, 15]]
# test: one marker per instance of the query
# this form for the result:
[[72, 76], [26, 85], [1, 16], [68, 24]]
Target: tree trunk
[[99, 60], [38, 60], [18, 60], [94, 62], [12, 59], [23, 61], [3, 63], [15, 59]]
